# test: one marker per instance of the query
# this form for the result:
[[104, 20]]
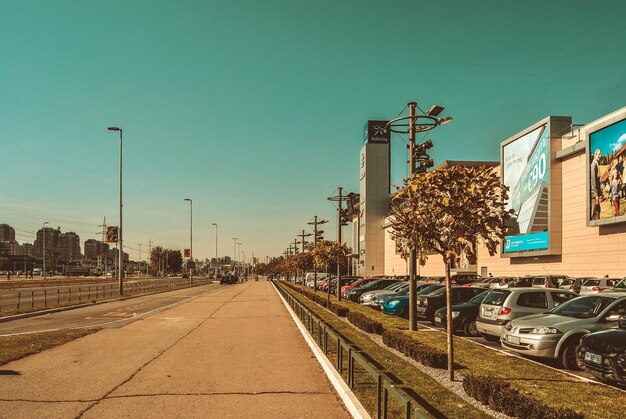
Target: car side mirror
[[613, 318]]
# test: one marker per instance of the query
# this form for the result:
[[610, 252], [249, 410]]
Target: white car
[[595, 285]]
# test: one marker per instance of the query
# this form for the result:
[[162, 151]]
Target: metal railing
[[13, 301], [385, 383]]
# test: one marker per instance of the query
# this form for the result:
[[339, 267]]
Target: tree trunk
[[449, 322]]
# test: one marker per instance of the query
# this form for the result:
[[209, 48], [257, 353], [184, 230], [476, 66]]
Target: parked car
[[378, 301], [367, 297], [462, 278], [358, 283], [603, 354], [399, 305], [463, 315], [572, 284], [547, 281], [594, 285], [429, 303], [354, 294], [619, 287], [557, 334], [502, 305]]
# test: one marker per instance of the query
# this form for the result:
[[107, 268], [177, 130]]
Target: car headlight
[[393, 302], [455, 314], [544, 331]]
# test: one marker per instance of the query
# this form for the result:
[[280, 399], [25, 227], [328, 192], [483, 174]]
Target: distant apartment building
[[70, 246], [95, 249], [7, 233], [52, 239]]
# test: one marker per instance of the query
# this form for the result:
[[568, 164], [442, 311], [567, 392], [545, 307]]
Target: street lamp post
[[239, 256], [216, 269], [234, 252], [43, 232], [190, 236], [120, 254], [139, 244], [411, 125]]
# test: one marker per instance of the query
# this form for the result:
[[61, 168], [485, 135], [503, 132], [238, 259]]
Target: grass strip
[[426, 391], [553, 388], [20, 346]]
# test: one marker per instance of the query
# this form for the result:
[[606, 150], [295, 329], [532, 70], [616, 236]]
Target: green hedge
[[499, 395], [424, 354], [365, 323], [335, 308]]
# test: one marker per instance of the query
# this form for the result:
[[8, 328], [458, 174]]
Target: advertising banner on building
[[607, 195], [377, 132], [526, 171], [112, 234]]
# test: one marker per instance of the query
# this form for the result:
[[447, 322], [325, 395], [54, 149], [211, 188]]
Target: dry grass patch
[[21, 346]]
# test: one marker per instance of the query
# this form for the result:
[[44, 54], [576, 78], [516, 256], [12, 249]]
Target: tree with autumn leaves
[[447, 211]]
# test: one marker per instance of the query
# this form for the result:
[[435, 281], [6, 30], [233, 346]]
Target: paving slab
[[233, 353]]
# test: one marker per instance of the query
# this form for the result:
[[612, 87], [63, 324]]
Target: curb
[[354, 407], [77, 306]]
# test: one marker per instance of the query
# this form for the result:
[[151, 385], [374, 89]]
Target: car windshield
[[439, 291], [583, 307], [394, 286], [356, 281], [479, 298], [369, 284], [496, 297], [428, 289], [591, 283], [568, 281]]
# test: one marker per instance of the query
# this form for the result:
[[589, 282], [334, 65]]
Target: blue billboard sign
[[533, 241]]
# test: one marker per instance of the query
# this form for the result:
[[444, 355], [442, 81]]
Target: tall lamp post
[[239, 257], [190, 236], [412, 124], [120, 254], [234, 252], [216, 269], [43, 231], [139, 270]]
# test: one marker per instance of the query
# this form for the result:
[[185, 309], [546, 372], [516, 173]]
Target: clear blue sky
[[255, 109]]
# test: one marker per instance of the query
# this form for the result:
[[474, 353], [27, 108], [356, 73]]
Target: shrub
[[499, 395], [420, 352], [365, 323]]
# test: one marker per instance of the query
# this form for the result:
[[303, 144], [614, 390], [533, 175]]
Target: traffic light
[[424, 165], [345, 217], [319, 237]]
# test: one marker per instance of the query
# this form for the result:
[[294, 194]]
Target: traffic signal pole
[[413, 254], [339, 222]]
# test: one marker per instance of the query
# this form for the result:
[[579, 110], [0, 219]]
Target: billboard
[[186, 253], [377, 132], [526, 172], [605, 174], [112, 234]]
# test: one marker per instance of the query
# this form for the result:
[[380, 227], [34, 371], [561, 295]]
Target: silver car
[[557, 333], [367, 297], [594, 285], [502, 305]]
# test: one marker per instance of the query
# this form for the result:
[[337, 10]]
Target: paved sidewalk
[[235, 353]]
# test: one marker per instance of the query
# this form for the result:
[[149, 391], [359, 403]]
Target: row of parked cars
[[543, 316]]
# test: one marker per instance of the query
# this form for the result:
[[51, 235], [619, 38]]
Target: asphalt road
[[107, 315]]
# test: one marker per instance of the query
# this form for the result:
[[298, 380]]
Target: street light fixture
[[43, 231], [412, 124], [216, 269], [234, 252], [120, 265], [190, 237]]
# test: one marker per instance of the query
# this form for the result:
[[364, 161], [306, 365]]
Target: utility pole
[[149, 257], [139, 244], [316, 238], [303, 235], [340, 214]]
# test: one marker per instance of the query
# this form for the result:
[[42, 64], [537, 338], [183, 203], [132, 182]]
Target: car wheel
[[469, 328], [568, 355]]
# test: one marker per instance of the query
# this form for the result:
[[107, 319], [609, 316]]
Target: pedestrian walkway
[[234, 353]]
